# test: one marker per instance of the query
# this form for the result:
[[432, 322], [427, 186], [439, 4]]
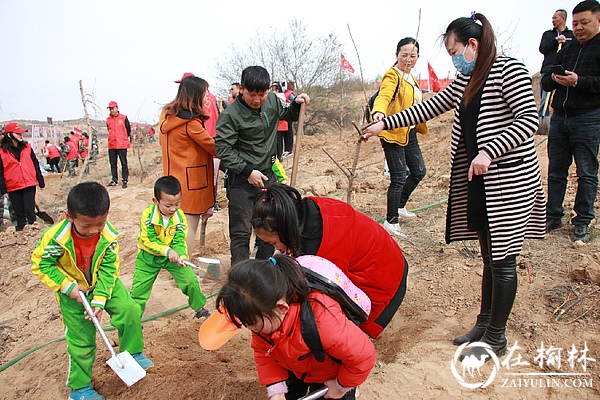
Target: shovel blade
[[126, 368], [44, 216]]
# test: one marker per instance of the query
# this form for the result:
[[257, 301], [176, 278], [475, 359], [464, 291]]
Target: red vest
[[18, 175], [86, 142], [52, 151], [72, 154], [117, 133]]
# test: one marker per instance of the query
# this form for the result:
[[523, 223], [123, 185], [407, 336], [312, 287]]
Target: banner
[[35, 138], [346, 65], [54, 135], [45, 133], [433, 79]]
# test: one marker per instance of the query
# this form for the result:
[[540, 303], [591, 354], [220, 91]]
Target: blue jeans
[[543, 96], [398, 158], [573, 138]]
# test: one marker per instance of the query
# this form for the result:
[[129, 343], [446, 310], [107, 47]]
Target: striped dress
[[508, 119]]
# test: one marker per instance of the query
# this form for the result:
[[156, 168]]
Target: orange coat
[[187, 154]]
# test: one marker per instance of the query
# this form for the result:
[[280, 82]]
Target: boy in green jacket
[[81, 253], [162, 244]]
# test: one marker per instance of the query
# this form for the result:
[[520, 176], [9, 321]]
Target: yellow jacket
[[157, 239], [53, 261], [385, 104]]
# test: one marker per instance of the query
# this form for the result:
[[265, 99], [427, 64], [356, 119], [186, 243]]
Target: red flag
[[433, 79], [346, 65], [77, 130]]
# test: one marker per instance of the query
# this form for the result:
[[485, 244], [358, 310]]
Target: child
[[266, 296], [81, 253], [162, 244], [332, 229]]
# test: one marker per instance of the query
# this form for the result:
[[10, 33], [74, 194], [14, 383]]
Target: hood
[[174, 121]]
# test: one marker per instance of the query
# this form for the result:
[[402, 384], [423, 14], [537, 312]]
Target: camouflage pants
[[71, 167]]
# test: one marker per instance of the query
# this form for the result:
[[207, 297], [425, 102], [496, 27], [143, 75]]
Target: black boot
[[495, 338], [475, 334]]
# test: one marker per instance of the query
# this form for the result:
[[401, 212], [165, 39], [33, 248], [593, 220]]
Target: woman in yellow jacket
[[399, 90]]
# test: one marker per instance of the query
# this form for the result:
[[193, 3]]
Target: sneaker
[[124, 184], [394, 229], [112, 183], [404, 213], [286, 154], [552, 224], [202, 312], [142, 360], [86, 393], [581, 234]]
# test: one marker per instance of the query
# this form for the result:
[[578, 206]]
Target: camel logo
[[473, 376]]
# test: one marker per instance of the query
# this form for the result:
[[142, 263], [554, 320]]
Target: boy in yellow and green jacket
[[162, 244], [81, 254]]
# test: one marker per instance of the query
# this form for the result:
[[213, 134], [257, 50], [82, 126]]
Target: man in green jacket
[[246, 143]]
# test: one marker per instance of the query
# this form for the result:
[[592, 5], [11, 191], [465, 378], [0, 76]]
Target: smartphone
[[558, 69]]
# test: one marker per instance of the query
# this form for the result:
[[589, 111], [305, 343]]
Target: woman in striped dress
[[495, 191]]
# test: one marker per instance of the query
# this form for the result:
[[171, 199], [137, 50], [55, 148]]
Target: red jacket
[[213, 112], [118, 137], [83, 148], [51, 151], [73, 151], [340, 337], [364, 251], [18, 174]]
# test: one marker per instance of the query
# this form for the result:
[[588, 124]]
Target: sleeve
[[444, 101], [389, 83], [179, 243], [289, 111], [548, 44], [345, 341], [108, 272], [3, 189], [517, 93], [128, 126], [269, 371], [225, 141], [44, 264], [38, 170], [199, 135], [148, 239]]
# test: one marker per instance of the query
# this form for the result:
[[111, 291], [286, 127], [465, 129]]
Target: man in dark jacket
[[575, 124], [246, 143], [552, 41]]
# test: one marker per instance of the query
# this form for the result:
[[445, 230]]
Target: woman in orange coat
[[188, 150]]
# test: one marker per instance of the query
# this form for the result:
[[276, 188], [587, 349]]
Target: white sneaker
[[404, 213], [394, 229]]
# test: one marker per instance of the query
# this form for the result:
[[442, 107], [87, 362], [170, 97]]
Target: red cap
[[13, 127], [112, 104], [185, 75]]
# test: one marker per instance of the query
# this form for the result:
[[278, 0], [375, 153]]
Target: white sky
[[130, 51]]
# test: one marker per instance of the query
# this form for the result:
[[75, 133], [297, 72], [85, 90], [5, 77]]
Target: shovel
[[43, 215], [316, 394], [214, 266], [123, 363]]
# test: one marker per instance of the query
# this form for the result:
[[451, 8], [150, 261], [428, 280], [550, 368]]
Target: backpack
[[324, 276], [371, 102]]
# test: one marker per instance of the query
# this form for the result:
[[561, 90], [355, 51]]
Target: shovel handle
[[315, 395], [191, 264], [90, 312]]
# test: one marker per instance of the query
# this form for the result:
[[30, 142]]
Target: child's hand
[[97, 312], [174, 257], [333, 391], [75, 293], [280, 396]]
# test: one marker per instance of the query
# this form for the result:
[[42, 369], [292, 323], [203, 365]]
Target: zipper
[[568, 87]]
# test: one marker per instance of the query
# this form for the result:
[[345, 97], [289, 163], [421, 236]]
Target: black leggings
[[297, 388], [23, 203]]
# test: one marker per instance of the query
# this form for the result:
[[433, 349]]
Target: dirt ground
[[415, 353]]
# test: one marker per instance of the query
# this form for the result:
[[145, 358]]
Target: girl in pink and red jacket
[[19, 174], [266, 296]]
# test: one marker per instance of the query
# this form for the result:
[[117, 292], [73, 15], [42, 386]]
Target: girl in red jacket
[[19, 174], [266, 296]]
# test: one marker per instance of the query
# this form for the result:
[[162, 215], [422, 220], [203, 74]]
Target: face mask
[[462, 65]]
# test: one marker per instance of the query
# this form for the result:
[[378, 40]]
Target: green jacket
[[157, 239], [53, 261], [247, 137]]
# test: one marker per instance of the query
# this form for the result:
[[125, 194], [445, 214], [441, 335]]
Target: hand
[[75, 293], [280, 396], [181, 262], [332, 390], [566, 80], [174, 256], [372, 130], [561, 38], [479, 165], [302, 98], [97, 312], [257, 178], [378, 116]]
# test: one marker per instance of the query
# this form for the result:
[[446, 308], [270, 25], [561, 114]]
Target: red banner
[[346, 65]]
